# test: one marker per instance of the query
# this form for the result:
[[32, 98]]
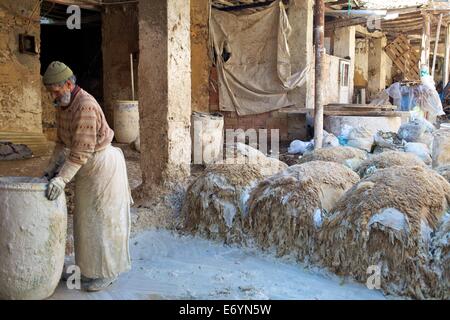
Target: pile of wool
[[386, 160], [444, 171], [348, 156], [441, 258], [215, 203], [286, 210], [386, 221], [240, 153]]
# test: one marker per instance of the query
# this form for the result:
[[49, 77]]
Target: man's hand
[[55, 188]]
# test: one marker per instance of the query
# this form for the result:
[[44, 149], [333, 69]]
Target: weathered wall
[[344, 47], [331, 72], [200, 61], [300, 14], [361, 62], [48, 114], [379, 67], [20, 81], [165, 95], [120, 37]]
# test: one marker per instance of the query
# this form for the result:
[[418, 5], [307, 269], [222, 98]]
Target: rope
[[37, 5]]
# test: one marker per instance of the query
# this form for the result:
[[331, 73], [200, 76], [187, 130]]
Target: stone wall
[[20, 81], [120, 37]]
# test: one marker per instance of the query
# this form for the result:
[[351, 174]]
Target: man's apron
[[102, 215]]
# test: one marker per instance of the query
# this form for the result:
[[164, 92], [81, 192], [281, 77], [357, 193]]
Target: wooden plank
[[403, 57], [362, 113], [359, 106]]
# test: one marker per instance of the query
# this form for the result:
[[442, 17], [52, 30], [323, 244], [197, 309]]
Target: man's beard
[[64, 101]]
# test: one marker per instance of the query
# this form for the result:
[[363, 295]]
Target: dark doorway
[[80, 49]]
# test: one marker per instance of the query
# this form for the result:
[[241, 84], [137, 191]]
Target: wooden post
[[447, 55], [425, 47], [132, 76], [319, 27], [436, 44]]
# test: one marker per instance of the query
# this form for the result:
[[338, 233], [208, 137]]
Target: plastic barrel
[[126, 120]]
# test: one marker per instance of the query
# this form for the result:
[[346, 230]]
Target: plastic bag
[[388, 140], [298, 146], [428, 97], [329, 140], [343, 137], [394, 92], [421, 150], [408, 98], [381, 99], [360, 138], [417, 130]]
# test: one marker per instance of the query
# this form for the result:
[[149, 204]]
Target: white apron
[[102, 215]]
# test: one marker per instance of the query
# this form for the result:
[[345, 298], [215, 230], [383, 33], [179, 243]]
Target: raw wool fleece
[[348, 156], [444, 171], [386, 220], [215, 203], [240, 153], [386, 160], [286, 210], [441, 257]]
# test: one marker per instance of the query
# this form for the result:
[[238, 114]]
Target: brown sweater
[[83, 129]]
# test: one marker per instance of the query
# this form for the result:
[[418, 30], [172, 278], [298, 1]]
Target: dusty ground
[[167, 265]]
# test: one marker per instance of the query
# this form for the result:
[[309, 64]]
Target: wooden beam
[[340, 23], [82, 5]]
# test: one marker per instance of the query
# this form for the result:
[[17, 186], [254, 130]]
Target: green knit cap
[[56, 72]]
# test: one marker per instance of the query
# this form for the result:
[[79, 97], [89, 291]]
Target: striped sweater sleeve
[[84, 138]]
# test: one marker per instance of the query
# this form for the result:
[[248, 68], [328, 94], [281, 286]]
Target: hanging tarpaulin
[[253, 60]]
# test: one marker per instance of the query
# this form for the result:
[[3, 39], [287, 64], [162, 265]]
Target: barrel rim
[[22, 186], [126, 101]]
